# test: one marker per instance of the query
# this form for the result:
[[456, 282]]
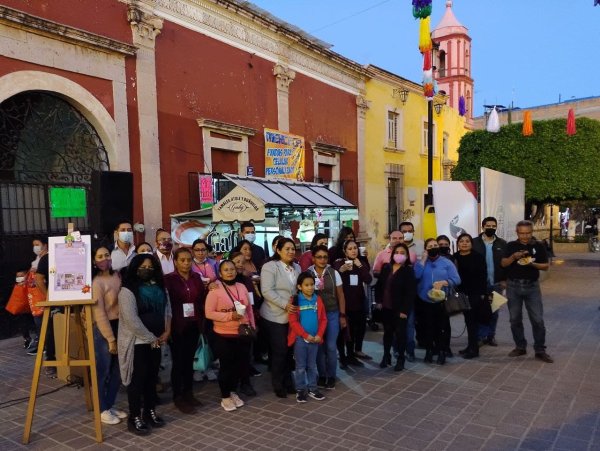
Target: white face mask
[[20, 279], [126, 237], [37, 250], [250, 237], [408, 236]]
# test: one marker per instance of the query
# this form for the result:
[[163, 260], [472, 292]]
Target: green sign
[[67, 203]]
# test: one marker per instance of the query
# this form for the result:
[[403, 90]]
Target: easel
[[91, 400]]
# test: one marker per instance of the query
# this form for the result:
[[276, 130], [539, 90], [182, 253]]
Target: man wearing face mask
[[414, 246], [248, 232], [124, 249], [492, 248]]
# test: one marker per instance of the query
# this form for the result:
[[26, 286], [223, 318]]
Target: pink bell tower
[[453, 61]]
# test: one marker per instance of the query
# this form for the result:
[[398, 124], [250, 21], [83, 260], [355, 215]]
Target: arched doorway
[[44, 142]]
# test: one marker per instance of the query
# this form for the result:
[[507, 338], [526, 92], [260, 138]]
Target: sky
[[530, 52]]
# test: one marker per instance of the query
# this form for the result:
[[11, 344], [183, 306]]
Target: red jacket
[[296, 329]]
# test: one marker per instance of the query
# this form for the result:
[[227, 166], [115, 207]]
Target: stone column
[[145, 27], [362, 106], [284, 76]]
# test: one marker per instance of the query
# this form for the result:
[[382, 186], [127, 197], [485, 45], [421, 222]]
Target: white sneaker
[[211, 375], [236, 399], [198, 376], [119, 413], [228, 404], [108, 418]]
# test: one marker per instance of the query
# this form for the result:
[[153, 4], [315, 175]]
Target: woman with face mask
[[144, 325], [434, 272], [395, 293], [106, 285]]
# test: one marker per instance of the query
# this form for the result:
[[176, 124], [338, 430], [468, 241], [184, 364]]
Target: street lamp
[[440, 101], [400, 93]]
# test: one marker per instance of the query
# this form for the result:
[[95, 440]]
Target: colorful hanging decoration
[[527, 124], [421, 8], [571, 126], [462, 109], [425, 44], [493, 123], [428, 84], [427, 61]]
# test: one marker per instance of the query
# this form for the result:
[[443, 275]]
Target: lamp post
[[438, 105]]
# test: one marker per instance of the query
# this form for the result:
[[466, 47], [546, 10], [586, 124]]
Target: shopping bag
[[18, 303], [203, 357]]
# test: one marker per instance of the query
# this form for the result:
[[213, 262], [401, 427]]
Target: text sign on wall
[[284, 155], [67, 203], [206, 191]]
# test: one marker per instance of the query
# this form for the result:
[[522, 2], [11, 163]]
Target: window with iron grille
[[392, 129]]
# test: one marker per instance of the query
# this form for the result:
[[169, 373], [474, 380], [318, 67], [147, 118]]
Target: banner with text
[[284, 155], [455, 208], [503, 197]]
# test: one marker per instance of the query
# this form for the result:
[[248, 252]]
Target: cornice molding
[[319, 146], [232, 23], [225, 128], [43, 27]]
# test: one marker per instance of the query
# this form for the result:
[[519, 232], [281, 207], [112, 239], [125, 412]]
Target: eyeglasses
[[200, 250], [320, 257]]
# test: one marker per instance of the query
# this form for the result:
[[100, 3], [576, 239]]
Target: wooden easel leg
[[83, 348], [93, 374], [36, 376]]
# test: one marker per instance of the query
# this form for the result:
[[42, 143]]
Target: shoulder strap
[[229, 294]]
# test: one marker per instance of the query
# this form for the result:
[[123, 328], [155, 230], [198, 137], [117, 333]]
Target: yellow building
[[395, 167]]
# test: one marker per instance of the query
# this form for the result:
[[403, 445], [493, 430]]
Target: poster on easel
[[70, 268]]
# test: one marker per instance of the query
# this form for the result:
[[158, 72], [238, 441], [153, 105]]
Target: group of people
[[307, 313]]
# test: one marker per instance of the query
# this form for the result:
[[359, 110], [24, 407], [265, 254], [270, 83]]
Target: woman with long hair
[[144, 325], [186, 294], [472, 269], [202, 263], [228, 307], [278, 286], [106, 285], [395, 294], [306, 259], [337, 250], [355, 272]]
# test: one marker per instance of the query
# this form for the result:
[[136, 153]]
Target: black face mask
[[145, 274], [444, 250], [489, 232], [433, 252], [228, 282]]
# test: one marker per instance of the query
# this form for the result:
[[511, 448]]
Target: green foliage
[[555, 166]]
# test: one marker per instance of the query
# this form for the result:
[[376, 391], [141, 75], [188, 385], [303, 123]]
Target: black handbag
[[456, 302]]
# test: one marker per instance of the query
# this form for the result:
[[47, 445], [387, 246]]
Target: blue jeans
[[107, 369], [526, 292], [410, 333], [306, 364], [489, 330], [327, 353]]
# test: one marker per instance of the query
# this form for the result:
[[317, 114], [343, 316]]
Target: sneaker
[[211, 375], [236, 400], [50, 372], [362, 355], [321, 382], [316, 394], [198, 376], [119, 413], [301, 396], [32, 348], [26, 342], [108, 418], [228, 404], [247, 389], [517, 352], [254, 372], [410, 357], [544, 357], [330, 384]]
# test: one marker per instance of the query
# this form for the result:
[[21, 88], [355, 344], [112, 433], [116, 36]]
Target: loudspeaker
[[111, 201]]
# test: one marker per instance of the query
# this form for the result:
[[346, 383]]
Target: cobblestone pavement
[[494, 402]]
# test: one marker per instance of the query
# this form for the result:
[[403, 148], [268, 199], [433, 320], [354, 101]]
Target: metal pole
[[429, 199]]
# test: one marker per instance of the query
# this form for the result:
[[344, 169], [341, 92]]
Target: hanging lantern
[[527, 124], [462, 109], [425, 44], [493, 123], [571, 126]]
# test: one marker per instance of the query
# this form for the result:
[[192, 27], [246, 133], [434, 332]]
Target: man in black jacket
[[492, 248], [248, 232]]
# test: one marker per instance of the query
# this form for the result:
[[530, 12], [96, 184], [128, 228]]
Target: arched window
[[442, 66]]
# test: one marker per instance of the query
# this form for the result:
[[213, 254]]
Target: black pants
[[146, 362], [234, 364], [357, 321], [394, 328], [183, 348], [420, 331], [472, 321], [282, 356], [435, 320], [24, 324], [50, 346]]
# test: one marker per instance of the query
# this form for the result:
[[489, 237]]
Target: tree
[[555, 166]]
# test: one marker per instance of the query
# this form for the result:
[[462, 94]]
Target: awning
[[277, 193]]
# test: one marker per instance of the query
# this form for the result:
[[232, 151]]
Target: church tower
[[453, 61]]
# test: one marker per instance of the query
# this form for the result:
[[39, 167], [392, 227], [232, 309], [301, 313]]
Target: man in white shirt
[[124, 249], [408, 230], [164, 247]]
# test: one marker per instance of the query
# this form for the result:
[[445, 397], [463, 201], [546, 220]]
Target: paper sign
[[70, 268], [188, 310], [497, 301]]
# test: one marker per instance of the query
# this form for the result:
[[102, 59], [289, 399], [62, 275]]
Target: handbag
[[456, 302], [203, 357], [18, 303], [34, 295]]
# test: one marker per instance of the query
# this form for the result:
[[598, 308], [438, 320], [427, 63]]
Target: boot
[[399, 365], [441, 358], [191, 399], [471, 353], [428, 356], [385, 361], [138, 426]]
